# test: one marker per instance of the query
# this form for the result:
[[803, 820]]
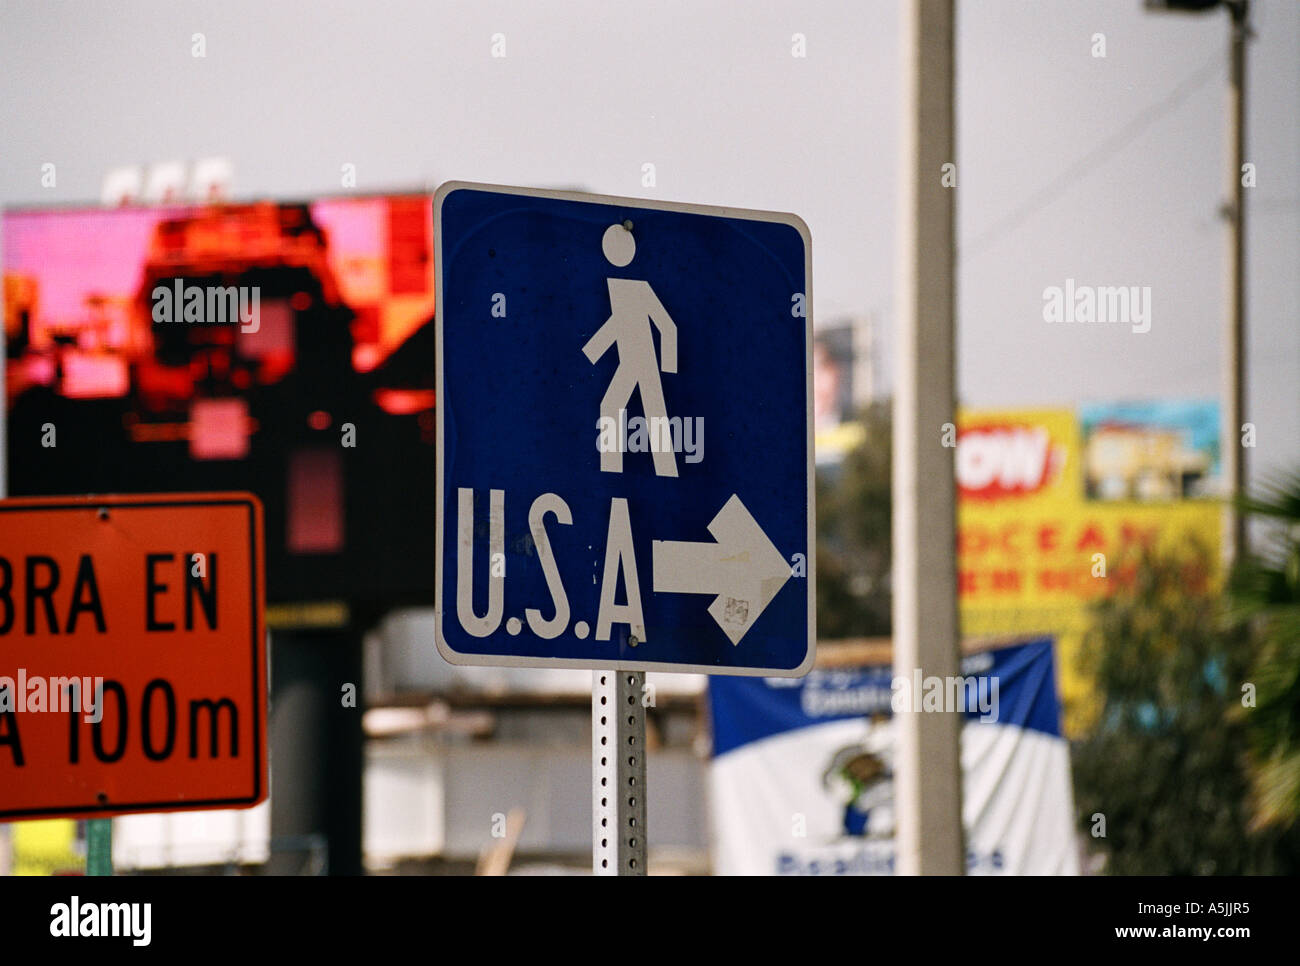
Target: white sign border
[[451, 655]]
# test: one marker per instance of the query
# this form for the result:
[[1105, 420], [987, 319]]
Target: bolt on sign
[[132, 654]]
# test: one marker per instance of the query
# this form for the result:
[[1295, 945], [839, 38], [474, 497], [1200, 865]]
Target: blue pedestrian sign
[[624, 434]]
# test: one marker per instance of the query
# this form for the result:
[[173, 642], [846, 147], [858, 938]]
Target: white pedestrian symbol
[[633, 306]]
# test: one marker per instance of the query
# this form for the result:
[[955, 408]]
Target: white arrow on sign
[[742, 567]]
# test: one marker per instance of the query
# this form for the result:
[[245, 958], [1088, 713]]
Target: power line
[[1093, 159]]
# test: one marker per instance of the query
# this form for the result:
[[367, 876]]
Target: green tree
[[853, 535], [1265, 595], [1166, 760]]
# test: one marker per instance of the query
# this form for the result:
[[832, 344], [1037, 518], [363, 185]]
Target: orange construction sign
[[132, 654]]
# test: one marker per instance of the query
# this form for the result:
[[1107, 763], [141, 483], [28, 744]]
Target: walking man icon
[[633, 307]]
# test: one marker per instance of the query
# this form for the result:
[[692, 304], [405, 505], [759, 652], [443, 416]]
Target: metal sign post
[[618, 782], [99, 846], [625, 460]]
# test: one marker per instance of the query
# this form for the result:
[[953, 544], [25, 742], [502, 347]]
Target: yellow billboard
[[47, 847], [1050, 500]]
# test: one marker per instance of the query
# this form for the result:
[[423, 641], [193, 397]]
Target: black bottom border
[[246, 914]]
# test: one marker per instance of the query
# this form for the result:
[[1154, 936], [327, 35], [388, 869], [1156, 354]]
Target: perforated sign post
[[624, 452], [132, 655]]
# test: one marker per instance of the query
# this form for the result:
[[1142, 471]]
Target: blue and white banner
[[802, 776]]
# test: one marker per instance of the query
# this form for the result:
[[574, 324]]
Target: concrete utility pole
[[1234, 334], [1232, 415], [927, 779]]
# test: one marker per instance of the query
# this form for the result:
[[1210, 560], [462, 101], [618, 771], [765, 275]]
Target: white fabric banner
[[802, 778]]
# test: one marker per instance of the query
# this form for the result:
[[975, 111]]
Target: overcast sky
[[1105, 170]]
